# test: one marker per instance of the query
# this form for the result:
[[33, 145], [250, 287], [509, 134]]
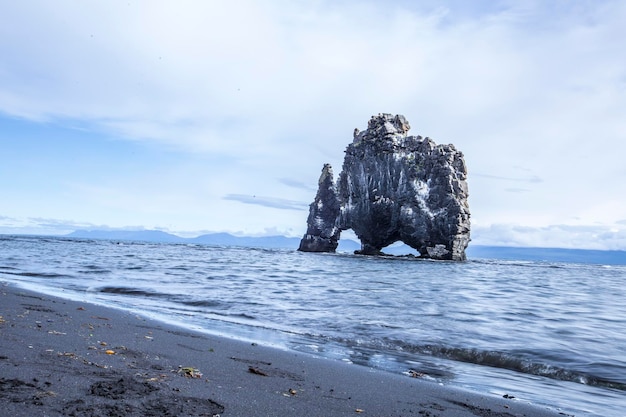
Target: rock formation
[[322, 233], [393, 187]]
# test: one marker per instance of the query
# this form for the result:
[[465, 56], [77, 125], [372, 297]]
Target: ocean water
[[552, 334]]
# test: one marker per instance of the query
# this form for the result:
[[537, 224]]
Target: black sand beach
[[66, 358]]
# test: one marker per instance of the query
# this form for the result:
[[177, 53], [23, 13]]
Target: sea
[[548, 333]]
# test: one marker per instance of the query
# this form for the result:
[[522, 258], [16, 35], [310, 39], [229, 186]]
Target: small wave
[[236, 315], [202, 303], [37, 274], [180, 268], [381, 324], [94, 270], [494, 359], [7, 268], [132, 291], [505, 262], [512, 362]]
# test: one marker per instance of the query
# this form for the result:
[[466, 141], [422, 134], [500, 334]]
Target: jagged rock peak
[[322, 235], [389, 124], [393, 187], [383, 126], [327, 176]]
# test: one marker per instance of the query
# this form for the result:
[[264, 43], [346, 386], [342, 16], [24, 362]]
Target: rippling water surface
[[553, 334]]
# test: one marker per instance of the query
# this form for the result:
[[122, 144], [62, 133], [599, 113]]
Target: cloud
[[531, 179], [187, 76], [558, 236], [37, 225], [272, 202], [297, 184]]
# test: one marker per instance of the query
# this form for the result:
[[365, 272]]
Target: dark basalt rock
[[393, 187], [322, 235]]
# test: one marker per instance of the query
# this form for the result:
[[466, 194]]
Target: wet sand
[[67, 358]]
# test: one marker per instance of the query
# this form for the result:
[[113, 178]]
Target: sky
[[217, 116]]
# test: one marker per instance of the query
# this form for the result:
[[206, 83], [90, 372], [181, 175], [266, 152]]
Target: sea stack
[[393, 187]]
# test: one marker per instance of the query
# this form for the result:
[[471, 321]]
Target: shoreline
[[60, 357]]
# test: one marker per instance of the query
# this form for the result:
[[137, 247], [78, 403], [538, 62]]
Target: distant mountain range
[[349, 246], [220, 239]]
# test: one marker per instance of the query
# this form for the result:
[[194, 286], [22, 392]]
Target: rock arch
[[393, 187]]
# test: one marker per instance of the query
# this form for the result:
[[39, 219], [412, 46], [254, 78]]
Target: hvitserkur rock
[[393, 187]]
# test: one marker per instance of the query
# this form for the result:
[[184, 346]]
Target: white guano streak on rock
[[399, 155], [319, 222], [422, 191]]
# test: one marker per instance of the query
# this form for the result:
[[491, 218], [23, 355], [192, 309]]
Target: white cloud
[[278, 203], [35, 225], [554, 236]]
